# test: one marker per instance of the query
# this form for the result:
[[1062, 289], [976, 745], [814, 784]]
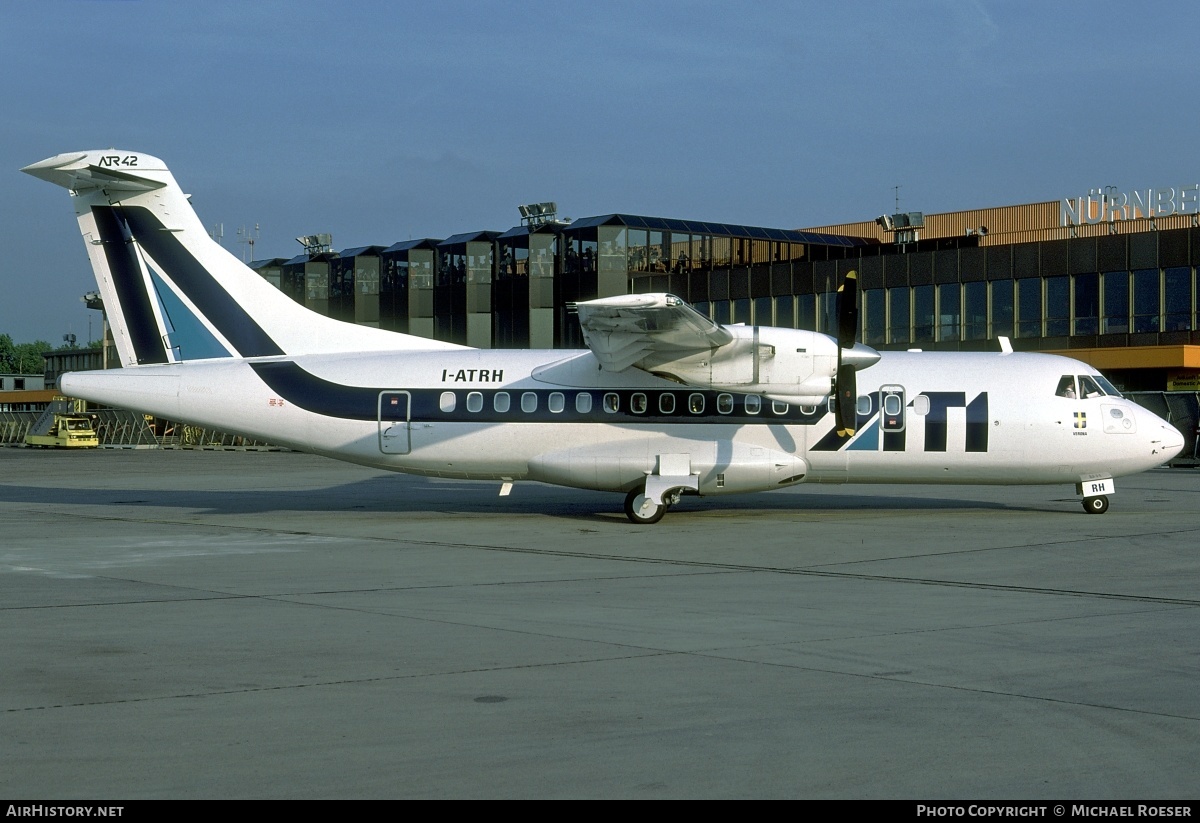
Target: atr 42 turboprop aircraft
[[664, 402]]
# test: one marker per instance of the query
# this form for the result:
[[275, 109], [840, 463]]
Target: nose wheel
[[1095, 505]]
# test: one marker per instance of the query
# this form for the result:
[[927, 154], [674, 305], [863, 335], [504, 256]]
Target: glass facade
[[899, 316], [949, 299], [975, 310], [1115, 300], [1178, 300], [1002, 308], [1085, 302], [1058, 306], [1147, 300], [513, 290]]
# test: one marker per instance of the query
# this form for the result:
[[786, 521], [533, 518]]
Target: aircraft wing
[[625, 329]]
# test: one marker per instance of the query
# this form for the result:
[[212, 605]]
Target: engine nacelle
[[790, 365]]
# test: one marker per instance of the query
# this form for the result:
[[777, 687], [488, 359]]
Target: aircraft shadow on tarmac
[[403, 495]]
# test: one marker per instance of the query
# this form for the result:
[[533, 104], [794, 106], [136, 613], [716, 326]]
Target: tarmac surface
[[193, 624]]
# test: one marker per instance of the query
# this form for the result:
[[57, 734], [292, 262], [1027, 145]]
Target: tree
[[8, 354], [22, 358], [29, 357]]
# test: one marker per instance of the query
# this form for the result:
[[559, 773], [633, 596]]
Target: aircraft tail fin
[[171, 292]]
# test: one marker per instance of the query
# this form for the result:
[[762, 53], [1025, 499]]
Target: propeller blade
[[847, 401], [847, 311], [846, 392]]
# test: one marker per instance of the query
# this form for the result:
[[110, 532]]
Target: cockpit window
[[1085, 386], [1088, 387], [1109, 388]]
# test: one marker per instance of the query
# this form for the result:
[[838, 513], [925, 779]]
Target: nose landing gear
[[1095, 494]]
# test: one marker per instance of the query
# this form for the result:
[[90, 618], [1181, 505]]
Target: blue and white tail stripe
[[184, 293], [170, 291]]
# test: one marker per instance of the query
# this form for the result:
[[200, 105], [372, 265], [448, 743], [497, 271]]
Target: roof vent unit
[[534, 215], [904, 225], [315, 244]]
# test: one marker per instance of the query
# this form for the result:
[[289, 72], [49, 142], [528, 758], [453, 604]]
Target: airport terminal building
[[1109, 278]]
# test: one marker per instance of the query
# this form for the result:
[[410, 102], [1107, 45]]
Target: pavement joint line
[[730, 567], [647, 655]]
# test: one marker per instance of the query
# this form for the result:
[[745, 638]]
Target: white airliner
[[664, 401]]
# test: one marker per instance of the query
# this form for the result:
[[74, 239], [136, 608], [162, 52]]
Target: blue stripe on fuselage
[[319, 396]]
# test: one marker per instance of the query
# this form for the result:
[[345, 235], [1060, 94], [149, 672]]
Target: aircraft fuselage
[[555, 416]]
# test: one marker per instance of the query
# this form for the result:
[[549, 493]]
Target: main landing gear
[[1091, 505], [643, 511], [672, 476]]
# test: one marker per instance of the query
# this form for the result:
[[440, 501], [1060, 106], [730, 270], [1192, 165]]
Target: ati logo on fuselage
[[889, 431], [110, 160]]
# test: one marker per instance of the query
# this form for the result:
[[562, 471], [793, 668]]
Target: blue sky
[[380, 122]]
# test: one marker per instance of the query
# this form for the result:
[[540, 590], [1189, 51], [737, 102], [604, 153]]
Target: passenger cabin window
[[612, 402], [863, 405], [501, 402], [724, 403], [753, 404], [1066, 387], [557, 402], [696, 403], [583, 402], [666, 403], [779, 407], [528, 402], [637, 403], [447, 401], [474, 401]]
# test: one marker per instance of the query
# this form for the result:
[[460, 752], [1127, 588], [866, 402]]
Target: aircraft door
[[892, 417], [393, 422]]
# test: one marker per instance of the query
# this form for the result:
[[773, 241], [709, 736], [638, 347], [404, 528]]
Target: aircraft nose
[[1163, 439], [1172, 441]]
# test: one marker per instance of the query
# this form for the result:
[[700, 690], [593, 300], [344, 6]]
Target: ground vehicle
[[64, 425]]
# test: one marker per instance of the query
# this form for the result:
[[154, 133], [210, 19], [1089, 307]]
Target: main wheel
[[642, 511], [1095, 505]]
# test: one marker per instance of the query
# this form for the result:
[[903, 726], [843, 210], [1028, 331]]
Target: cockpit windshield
[[1085, 386], [1088, 387], [1066, 387], [1109, 388]]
